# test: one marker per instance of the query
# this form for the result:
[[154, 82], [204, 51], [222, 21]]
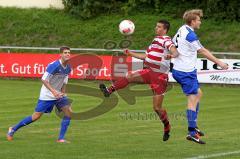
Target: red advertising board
[[85, 66]]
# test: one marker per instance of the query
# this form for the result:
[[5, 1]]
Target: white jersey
[[156, 52], [56, 75], [187, 44]]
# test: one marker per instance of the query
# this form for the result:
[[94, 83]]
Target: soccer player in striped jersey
[[184, 71], [52, 94], [155, 73]]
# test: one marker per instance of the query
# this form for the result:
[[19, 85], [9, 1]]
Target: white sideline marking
[[215, 155]]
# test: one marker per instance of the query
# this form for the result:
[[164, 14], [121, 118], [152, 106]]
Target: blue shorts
[[187, 80], [46, 106]]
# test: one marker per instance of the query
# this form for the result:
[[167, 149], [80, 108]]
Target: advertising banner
[[101, 67], [85, 66], [208, 72]]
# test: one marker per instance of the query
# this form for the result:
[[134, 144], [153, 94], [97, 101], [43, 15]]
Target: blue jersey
[[57, 75]]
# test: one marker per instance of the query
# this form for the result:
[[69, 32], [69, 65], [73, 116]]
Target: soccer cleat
[[199, 131], [104, 89], [166, 134], [10, 134], [63, 141], [195, 138]]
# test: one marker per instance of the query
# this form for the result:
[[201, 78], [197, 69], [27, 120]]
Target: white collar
[[189, 27], [62, 64]]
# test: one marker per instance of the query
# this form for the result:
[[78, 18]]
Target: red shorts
[[157, 81]]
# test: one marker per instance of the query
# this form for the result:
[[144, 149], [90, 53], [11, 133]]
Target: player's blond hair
[[190, 15]]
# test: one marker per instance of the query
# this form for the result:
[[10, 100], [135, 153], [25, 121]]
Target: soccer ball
[[126, 27]]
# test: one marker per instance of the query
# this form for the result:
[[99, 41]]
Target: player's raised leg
[[162, 113], [131, 77], [26, 121]]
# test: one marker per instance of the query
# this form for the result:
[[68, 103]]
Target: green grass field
[[114, 136]]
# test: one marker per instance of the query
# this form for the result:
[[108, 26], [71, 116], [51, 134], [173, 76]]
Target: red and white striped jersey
[[155, 54]]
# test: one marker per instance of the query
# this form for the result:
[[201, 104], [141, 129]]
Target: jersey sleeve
[[174, 40], [196, 45], [192, 38], [46, 76], [51, 68], [168, 44]]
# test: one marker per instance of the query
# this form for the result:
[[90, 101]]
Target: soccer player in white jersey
[[52, 94], [184, 71], [155, 72]]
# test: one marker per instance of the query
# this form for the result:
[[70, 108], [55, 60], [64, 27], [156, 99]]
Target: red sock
[[164, 118], [119, 84]]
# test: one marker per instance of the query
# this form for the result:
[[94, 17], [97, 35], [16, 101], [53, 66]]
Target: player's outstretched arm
[[134, 54], [206, 53]]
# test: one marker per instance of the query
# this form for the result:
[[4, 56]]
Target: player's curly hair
[[190, 15]]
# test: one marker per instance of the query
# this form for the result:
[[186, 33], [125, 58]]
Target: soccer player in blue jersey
[[184, 71], [52, 94]]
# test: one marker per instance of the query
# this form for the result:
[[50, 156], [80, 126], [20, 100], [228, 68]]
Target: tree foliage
[[218, 9]]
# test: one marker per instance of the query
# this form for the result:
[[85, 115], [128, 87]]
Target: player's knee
[[69, 115], [67, 111], [130, 77], [36, 116], [155, 109], [200, 93]]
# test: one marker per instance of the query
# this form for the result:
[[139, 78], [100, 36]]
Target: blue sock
[[64, 126], [192, 123], [22, 123], [197, 108]]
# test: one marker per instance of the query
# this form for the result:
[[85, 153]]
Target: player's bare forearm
[[137, 55], [46, 84], [53, 91], [174, 53], [206, 53]]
